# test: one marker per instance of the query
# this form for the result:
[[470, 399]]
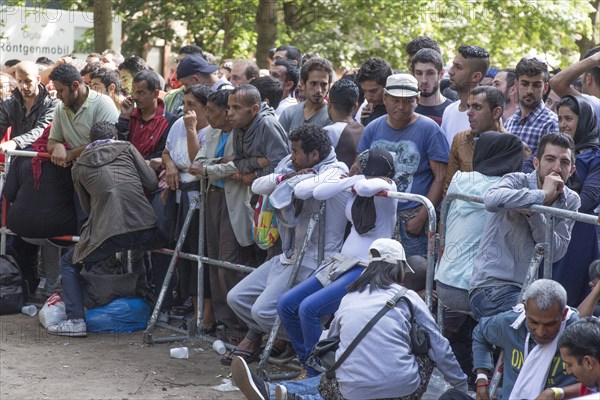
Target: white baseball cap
[[391, 251]]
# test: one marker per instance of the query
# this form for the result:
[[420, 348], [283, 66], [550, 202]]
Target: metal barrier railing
[[542, 250]]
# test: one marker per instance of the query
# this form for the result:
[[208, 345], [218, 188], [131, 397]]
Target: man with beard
[[509, 236], [468, 69], [316, 76], [428, 67], [484, 110], [532, 120], [506, 82], [29, 111]]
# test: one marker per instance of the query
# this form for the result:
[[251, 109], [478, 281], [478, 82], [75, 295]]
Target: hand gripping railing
[[542, 250], [317, 216], [432, 237]]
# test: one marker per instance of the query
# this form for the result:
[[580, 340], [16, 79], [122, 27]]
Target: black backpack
[[11, 286]]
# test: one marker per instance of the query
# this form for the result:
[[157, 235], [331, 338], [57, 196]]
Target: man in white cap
[[421, 157]]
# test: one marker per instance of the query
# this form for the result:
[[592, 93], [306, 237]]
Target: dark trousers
[[146, 239], [221, 244]]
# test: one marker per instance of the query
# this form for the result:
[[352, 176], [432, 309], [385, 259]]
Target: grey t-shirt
[[292, 117]]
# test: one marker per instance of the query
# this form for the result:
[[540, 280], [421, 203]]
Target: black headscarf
[[587, 133], [371, 162], [497, 153]]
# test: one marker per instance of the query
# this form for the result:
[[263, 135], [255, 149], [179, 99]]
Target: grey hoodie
[[263, 138]]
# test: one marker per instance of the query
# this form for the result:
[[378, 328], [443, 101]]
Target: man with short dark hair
[[509, 236], [579, 348], [532, 120], [144, 121], [506, 82], [467, 70], [288, 53], [344, 132], [29, 111], [421, 42], [288, 74], [371, 77], [588, 68], [290, 189], [128, 69], [270, 90], [421, 157], [316, 75], [243, 71], [259, 140], [79, 110], [106, 81], [485, 106], [110, 178], [228, 218], [428, 67]]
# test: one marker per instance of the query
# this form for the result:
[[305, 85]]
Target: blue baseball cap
[[194, 65]]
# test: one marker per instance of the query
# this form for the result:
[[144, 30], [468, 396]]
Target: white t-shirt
[[177, 146], [334, 131], [454, 121]]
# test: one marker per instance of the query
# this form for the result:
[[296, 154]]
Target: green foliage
[[348, 31]]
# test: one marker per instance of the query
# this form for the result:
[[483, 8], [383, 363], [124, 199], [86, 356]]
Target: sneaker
[[70, 327], [253, 387], [281, 392]]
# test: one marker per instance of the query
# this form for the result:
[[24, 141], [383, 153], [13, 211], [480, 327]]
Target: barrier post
[[186, 224], [201, 232], [261, 369], [549, 246]]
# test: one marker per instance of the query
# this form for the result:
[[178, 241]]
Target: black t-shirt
[[434, 112]]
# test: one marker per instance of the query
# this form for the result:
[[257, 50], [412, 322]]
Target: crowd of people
[[129, 150]]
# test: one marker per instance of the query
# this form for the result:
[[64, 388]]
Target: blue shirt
[[532, 127], [219, 153], [412, 147]]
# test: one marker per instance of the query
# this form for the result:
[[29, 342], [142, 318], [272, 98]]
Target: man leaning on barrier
[[312, 162], [110, 178], [509, 236]]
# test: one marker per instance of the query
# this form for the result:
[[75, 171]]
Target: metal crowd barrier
[[542, 251]]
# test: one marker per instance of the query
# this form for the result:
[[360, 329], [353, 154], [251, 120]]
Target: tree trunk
[[266, 29], [585, 43], [102, 25]]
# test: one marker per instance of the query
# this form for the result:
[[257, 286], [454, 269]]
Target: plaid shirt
[[532, 127]]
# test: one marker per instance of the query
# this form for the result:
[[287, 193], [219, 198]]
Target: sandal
[[247, 356]]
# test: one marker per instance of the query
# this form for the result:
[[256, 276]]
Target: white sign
[[27, 33]]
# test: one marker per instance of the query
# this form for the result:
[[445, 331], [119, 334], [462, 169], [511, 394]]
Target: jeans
[[302, 307], [413, 245], [305, 389], [72, 296], [492, 300]]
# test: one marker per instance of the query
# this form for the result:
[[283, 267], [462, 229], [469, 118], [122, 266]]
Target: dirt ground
[[36, 365]]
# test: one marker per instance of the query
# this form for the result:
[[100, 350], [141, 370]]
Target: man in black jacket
[[29, 111]]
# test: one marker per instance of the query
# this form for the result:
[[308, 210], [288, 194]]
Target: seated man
[[509, 236], [528, 336], [290, 188], [110, 178], [580, 349]]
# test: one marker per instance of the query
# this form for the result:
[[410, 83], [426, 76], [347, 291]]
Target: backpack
[[264, 224], [12, 297]]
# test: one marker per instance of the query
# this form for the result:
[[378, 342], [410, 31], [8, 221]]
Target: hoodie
[[110, 179], [263, 138]]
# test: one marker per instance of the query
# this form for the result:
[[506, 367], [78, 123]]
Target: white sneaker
[[281, 392], [70, 327]]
